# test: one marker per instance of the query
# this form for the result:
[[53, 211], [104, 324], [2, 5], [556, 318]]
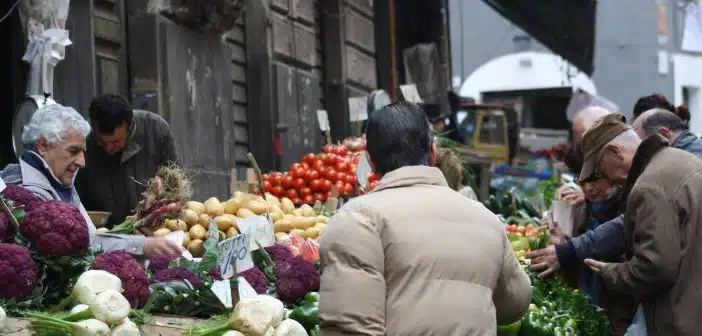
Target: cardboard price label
[[363, 170], [234, 255], [259, 229], [223, 290], [323, 120], [410, 93], [246, 291], [358, 108]]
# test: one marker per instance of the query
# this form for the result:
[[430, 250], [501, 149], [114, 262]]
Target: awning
[[567, 27]]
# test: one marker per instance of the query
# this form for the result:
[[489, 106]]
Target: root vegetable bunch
[[165, 196]]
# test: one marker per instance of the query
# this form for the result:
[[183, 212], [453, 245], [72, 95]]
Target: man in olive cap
[[662, 214]]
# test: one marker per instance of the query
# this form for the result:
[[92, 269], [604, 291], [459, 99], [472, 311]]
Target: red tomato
[[312, 175], [291, 194], [309, 199], [340, 187], [287, 182], [298, 183], [305, 165], [294, 167], [267, 186], [328, 149], [304, 192], [372, 177], [300, 173], [328, 194], [276, 179], [316, 185], [373, 184], [330, 175], [351, 178], [309, 158], [342, 167], [276, 175], [352, 169], [265, 177], [326, 185], [278, 191], [341, 150], [318, 165], [320, 197], [330, 159], [348, 189], [341, 176], [297, 201]]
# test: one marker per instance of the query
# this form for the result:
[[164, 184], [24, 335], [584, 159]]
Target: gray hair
[[53, 123]]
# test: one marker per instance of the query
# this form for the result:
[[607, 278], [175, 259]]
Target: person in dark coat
[[124, 150]]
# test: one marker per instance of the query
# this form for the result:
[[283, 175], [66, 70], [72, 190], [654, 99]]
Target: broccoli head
[[159, 263], [134, 280], [56, 229], [22, 196], [295, 278], [18, 272], [256, 279], [178, 273], [279, 253]]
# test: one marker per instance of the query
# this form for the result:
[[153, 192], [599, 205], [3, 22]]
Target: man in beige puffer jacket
[[414, 257]]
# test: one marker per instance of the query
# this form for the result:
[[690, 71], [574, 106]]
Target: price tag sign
[[259, 229], [363, 170], [323, 121], [234, 255], [358, 108], [246, 291], [212, 229], [2, 185], [223, 290], [410, 93]]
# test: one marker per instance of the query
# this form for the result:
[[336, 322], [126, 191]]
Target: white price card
[[223, 290], [363, 170], [259, 229], [410, 93], [176, 237], [212, 229], [323, 121], [358, 108], [246, 291], [234, 255], [2, 185]]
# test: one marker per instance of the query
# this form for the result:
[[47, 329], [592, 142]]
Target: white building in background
[[641, 47]]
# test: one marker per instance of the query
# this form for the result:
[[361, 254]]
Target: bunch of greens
[[547, 189], [183, 297], [556, 301]]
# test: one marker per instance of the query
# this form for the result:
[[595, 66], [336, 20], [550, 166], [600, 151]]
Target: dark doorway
[[15, 78]]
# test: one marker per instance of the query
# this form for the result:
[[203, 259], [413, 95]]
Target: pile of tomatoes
[[313, 178]]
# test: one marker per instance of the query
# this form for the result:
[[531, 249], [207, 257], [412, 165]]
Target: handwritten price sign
[[259, 229], [234, 255]]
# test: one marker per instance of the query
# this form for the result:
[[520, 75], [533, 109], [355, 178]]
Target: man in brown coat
[[413, 257], [662, 214]]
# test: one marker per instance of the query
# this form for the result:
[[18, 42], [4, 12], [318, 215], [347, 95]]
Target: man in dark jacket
[[125, 149], [662, 212]]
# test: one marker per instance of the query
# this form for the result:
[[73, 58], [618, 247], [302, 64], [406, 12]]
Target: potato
[[297, 213], [197, 232], [231, 232], [175, 224], [196, 247], [161, 232], [213, 207], [186, 240], [232, 205], [276, 215], [103, 230], [322, 219], [307, 210], [182, 226], [287, 205], [245, 213], [224, 222], [296, 232], [257, 207], [197, 207], [303, 223], [283, 225], [204, 220], [312, 232], [272, 200], [190, 217]]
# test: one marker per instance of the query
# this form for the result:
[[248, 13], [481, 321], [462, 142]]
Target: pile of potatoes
[[287, 219]]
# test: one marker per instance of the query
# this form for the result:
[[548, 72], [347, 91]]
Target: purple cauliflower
[[178, 273], [4, 227], [134, 281], [295, 278], [56, 229], [279, 253], [159, 263], [22, 196], [215, 274], [18, 272], [256, 279]]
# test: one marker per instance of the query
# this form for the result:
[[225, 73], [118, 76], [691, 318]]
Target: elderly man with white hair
[[54, 140]]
